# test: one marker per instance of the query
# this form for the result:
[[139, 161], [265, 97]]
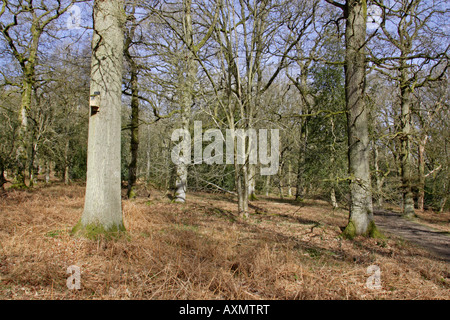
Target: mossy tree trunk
[[361, 211], [405, 144]]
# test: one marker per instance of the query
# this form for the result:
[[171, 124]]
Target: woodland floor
[[202, 250]]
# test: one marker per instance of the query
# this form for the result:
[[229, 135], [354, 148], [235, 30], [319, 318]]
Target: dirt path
[[434, 241]]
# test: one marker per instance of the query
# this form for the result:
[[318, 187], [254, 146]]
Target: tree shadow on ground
[[291, 201], [318, 202], [277, 237], [339, 255]]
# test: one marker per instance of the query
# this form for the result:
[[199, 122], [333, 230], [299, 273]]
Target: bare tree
[[245, 38], [102, 209], [134, 87], [361, 211]]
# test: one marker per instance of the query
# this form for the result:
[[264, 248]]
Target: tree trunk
[[421, 196], [181, 170], [280, 180], [443, 203], [379, 180], [134, 125], [47, 171], [308, 102], [28, 70], [242, 191], [240, 172], [102, 209], [332, 165], [32, 172], [22, 137], [405, 147], [361, 211], [300, 187], [267, 187], [333, 198], [243, 185], [2, 177], [289, 179], [252, 182], [187, 81], [66, 164], [148, 165]]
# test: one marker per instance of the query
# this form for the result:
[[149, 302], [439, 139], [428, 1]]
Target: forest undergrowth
[[202, 250]]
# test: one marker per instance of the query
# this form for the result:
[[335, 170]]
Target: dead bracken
[[203, 250]]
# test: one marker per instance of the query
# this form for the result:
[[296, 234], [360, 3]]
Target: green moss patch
[[95, 231], [372, 231], [252, 197]]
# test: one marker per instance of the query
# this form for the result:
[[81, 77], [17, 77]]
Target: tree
[[187, 78], [181, 27], [361, 210], [102, 209], [133, 84]]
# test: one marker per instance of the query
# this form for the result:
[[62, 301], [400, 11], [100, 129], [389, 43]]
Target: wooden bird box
[[94, 102]]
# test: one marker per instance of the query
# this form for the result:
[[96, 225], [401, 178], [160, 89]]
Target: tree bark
[[289, 179], [334, 202], [267, 187], [242, 182], [378, 180], [187, 81], [28, 69], [421, 195], [47, 171], [102, 209], [252, 182], [22, 137], [66, 164], [308, 101], [134, 122], [300, 187], [361, 211], [405, 146], [134, 141], [2, 176]]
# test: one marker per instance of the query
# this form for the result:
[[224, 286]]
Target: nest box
[[94, 102]]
